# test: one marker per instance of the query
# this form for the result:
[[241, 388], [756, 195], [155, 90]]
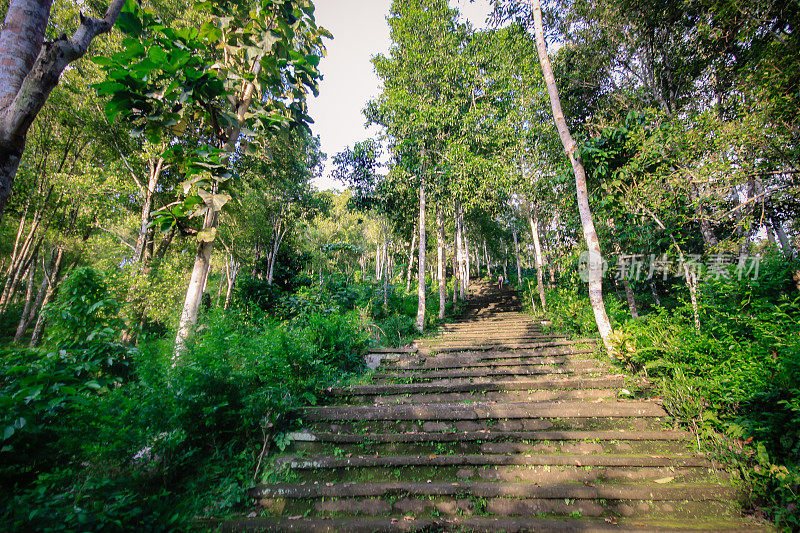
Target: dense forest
[[174, 287]]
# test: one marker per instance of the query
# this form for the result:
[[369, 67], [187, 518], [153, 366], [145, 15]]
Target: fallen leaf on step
[[297, 517], [588, 484], [664, 480], [408, 518], [329, 484], [252, 515]]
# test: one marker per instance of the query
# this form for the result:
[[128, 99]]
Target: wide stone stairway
[[494, 425]]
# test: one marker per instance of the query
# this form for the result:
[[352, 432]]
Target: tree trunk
[[411, 260], [486, 257], [589, 232], [533, 221], [786, 245], [53, 281], [656, 299], [30, 69], [279, 234], [23, 319], [387, 268], [505, 263], [420, 323], [516, 254], [706, 231], [194, 293], [440, 261], [155, 166]]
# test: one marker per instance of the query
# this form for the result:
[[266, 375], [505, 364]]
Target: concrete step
[[509, 346], [522, 424], [587, 366], [492, 436], [486, 384], [409, 522], [491, 396], [487, 410], [473, 447], [307, 462]]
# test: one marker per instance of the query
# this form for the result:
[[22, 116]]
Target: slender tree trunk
[[53, 281], [467, 273], [786, 245], [280, 233], [706, 231], [231, 270], [533, 221], [516, 254], [488, 261], [155, 166], [505, 263], [194, 293], [440, 260], [422, 265], [411, 260], [23, 319], [387, 269], [478, 260], [459, 252], [656, 299], [590, 234]]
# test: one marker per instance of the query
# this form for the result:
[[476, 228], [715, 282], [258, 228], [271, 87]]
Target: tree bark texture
[[533, 221], [440, 261], [420, 323]]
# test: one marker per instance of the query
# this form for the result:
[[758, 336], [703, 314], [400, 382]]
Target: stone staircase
[[494, 425]]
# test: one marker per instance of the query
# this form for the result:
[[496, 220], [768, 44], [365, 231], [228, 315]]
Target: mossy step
[[472, 524], [361, 427], [553, 355], [487, 410], [467, 447], [492, 396], [366, 461], [460, 346], [479, 371], [482, 489], [491, 436], [517, 473], [466, 385], [512, 346], [451, 363]]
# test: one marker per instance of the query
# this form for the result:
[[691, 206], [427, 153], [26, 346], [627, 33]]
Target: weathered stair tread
[[495, 370], [488, 396], [555, 382], [402, 349], [640, 491], [472, 524], [481, 410], [309, 436], [327, 461], [557, 356], [462, 347]]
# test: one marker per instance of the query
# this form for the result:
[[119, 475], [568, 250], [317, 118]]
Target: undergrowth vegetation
[[99, 435], [736, 382]]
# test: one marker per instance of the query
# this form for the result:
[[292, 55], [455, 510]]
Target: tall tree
[[595, 257]]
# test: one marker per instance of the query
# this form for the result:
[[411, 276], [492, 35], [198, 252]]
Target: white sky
[[359, 31]]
